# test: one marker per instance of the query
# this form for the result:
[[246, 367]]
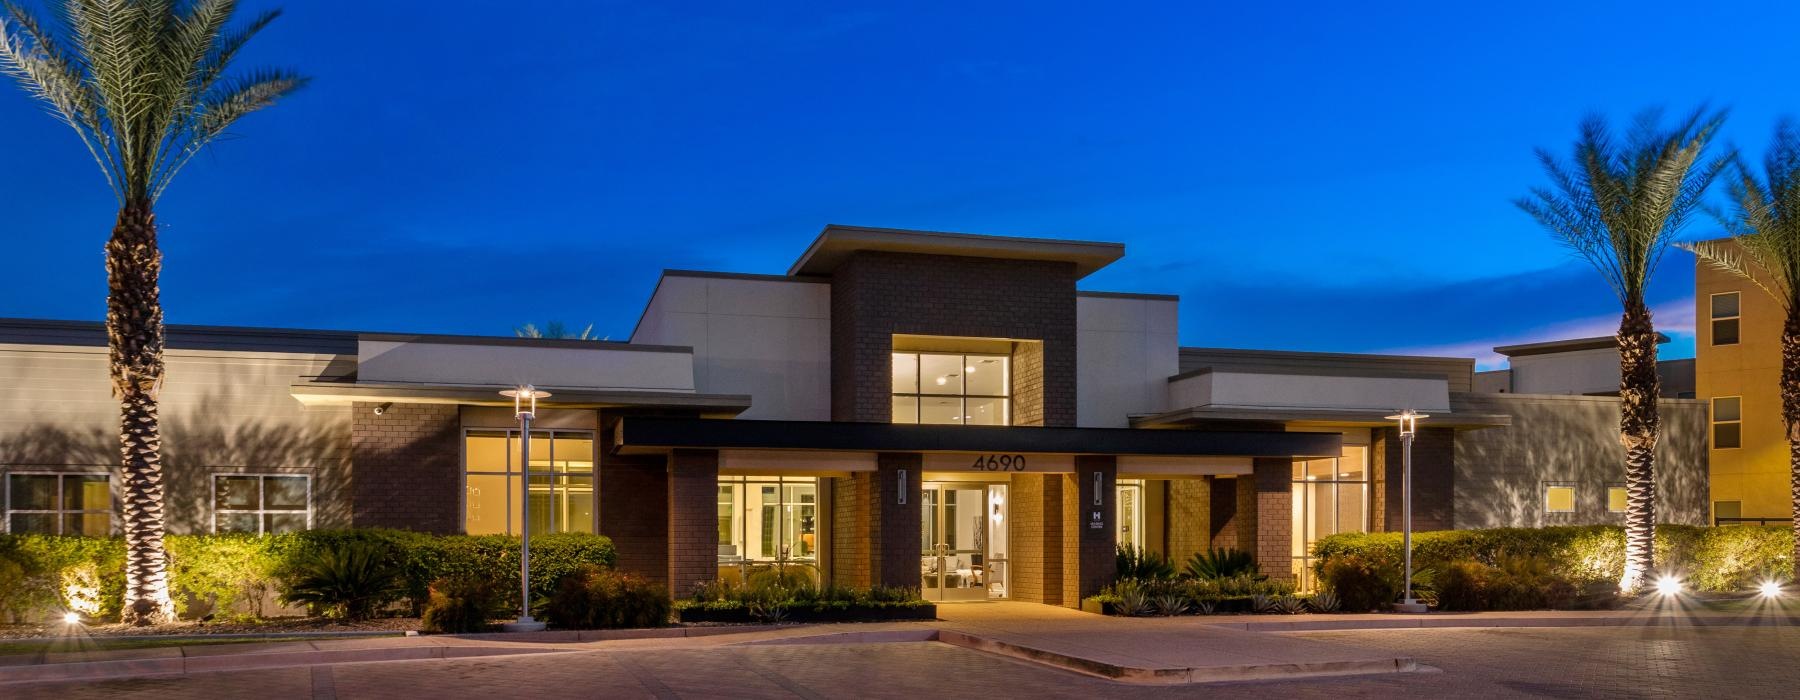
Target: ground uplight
[[71, 618], [1668, 585], [1770, 589]]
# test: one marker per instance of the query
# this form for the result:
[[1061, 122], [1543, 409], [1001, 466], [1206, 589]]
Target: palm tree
[[144, 84], [1618, 205], [554, 329], [1765, 248]]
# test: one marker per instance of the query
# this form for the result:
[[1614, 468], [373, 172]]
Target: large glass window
[[767, 520], [1129, 523], [562, 481], [59, 504], [263, 504], [952, 389], [1330, 496]]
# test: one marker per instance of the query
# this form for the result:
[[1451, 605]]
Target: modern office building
[[943, 411], [1737, 357]]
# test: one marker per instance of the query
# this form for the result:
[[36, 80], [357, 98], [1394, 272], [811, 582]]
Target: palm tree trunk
[[1790, 415], [1638, 390], [134, 331]]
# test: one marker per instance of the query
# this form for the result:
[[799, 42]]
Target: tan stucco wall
[[1757, 473]]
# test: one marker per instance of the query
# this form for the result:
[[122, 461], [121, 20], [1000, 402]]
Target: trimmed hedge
[[235, 575], [1715, 559]]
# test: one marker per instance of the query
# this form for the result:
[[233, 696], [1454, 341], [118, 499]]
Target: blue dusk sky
[[1334, 177]]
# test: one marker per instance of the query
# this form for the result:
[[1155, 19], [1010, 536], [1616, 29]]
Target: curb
[[1171, 675], [1505, 622], [132, 668]]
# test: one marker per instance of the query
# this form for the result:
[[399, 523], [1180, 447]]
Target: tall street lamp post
[[525, 409], [1409, 425]]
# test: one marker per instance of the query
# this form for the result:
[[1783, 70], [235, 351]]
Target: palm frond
[[144, 83], [1618, 203], [1764, 222]]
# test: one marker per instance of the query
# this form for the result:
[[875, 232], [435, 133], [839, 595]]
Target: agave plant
[[1132, 563], [1289, 604], [1262, 603], [144, 85], [1618, 205], [1215, 564], [1171, 605], [1323, 602], [1134, 601], [1204, 607]]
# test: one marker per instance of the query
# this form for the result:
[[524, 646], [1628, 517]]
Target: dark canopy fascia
[[637, 434]]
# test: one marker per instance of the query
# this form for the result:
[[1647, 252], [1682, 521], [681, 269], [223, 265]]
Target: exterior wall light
[[1409, 426], [525, 409]]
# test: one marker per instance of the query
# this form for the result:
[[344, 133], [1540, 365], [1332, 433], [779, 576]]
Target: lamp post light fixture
[[525, 409], [1409, 426]]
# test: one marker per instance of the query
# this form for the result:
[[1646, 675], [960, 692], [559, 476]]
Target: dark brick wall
[[851, 529], [894, 542], [1089, 560], [1433, 478], [634, 512], [406, 467], [693, 508], [1224, 515], [875, 295]]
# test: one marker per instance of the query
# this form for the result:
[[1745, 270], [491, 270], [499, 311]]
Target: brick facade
[[634, 496], [1188, 518], [1433, 479], [1272, 503], [406, 467], [895, 538], [1035, 506], [1224, 515], [852, 530], [1090, 549], [875, 295], [693, 519]]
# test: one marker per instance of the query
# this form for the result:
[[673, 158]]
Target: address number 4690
[[999, 463]]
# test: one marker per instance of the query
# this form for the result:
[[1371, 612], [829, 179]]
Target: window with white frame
[[59, 504], [1726, 314], [263, 504], [1727, 422]]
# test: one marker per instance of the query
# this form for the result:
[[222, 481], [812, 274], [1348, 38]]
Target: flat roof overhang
[[1314, 418], [836, 243], [340, 393], [650, 434]]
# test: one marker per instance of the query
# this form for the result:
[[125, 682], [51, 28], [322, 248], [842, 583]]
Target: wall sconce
[[1099, 498], [901, 496], [383, 408]]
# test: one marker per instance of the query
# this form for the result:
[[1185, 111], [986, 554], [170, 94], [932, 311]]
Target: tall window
[[263, 504], [952, 389], [1725, 317], [59, 504], [767, 520], [1330, 496], [1130, 519], [1727, 422], [562, 481]]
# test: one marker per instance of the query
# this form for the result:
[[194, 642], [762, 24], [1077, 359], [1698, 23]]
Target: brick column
[[1273, 505], [1035, 506], [406, 467], [1433, 478], [1090, 549], [1189, 518], [852, 529], [894, 546], [1224, 512], [693, 519], [634, 512]]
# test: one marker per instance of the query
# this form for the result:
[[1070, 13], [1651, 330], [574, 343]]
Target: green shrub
[[229, 575], [1463, 585], [1137, 563], [1221, 563], [462, 604], [1361, 583], [350, 579], [592, 597]]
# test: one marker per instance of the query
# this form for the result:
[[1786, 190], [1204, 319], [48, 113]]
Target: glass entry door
[[963, 528]]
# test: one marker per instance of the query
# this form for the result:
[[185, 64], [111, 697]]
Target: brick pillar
[[693, 519], [1273, 505], [634, 512], [406, 467], [1378, 478], [1224, 512], [1035, 506], [894, 547], [1088, 561], [1433, 478], [1188, 517], [851, 529]]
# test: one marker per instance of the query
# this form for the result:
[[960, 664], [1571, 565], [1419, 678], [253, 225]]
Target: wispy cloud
[[1675, 318]]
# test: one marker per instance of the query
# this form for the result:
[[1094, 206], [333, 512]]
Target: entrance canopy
[[646, 434]]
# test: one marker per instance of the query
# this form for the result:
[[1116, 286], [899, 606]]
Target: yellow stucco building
[[1737, 370]]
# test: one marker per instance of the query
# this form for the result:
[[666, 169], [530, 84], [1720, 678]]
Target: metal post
[[525, 412], [1406, 508]]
